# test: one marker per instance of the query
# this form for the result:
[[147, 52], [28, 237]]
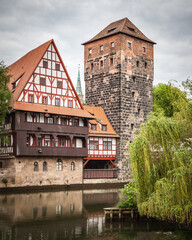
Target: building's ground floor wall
[[36, 171]]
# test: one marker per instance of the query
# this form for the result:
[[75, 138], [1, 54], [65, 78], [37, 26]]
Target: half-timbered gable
[[49, 82]]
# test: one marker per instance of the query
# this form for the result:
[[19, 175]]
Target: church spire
[[78, 86]]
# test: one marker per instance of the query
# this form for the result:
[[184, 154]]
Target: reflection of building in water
[[38, 206], [54, 215]]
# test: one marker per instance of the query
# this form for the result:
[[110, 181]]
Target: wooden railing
[[99, 173]]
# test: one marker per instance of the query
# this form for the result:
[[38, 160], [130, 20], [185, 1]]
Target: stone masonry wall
[[122, 87], [24, 174]]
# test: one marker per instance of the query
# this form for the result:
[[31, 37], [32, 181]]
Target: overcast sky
[[26, 24]]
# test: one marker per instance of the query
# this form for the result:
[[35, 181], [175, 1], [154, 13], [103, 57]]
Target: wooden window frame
[[58, 83], [94, 143], [104, 127], [70, 101], [32, 97], [76, 122], [107, 145], [57, 99], [45, 64], [57, 66], [42, 81], [44, 97]]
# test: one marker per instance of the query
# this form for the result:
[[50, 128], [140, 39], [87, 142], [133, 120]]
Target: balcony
[[99, 173], [51, 151]]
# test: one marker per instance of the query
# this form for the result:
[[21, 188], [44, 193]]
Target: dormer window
[[104, 127], [101, 48], [45, 64], [93, 127]]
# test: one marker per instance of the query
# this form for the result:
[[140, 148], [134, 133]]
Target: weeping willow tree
[[161, 158]]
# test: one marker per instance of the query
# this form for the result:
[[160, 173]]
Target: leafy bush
[[128, 197], [5, 181]]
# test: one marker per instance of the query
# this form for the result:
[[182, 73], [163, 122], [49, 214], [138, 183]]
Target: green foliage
[[161, 158], [166, 99], [5, 181], [128, 198], [5, 93]]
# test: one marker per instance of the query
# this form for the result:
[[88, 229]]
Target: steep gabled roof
[[124, 26], [25, 66], [100, 119]]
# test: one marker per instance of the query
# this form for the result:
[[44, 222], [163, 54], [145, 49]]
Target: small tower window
[[72, 166], [90, 51], [111, 61], [112, 44], [101, 63], [101, 48], [45, 64], [144, 49], [145, 65], [91, 67], [44, 166], [35, 166], [139, 110], [129, 45], [134, 79], [133, 94], [137, 63], [57, 66], [132, 126]]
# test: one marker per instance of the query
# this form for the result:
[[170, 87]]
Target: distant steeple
[[78, 86]]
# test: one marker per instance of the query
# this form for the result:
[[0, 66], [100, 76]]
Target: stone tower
[[78, 87], [118, 65]]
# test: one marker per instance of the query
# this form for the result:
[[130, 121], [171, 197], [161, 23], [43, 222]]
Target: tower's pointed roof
[[78, 86], [124, 26]]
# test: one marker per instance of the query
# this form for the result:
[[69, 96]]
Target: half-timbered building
[[46, 131], [102, 148]]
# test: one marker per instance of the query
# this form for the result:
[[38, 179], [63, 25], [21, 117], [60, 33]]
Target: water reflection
[[72, 215]]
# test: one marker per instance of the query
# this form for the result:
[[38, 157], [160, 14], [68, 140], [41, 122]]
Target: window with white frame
[[59, 165]]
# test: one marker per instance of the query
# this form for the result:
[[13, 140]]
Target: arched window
[[35, 166], [59, 165], [44, 166], [72, 166]]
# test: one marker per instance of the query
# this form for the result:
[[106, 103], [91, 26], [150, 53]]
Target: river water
[[74, 215]]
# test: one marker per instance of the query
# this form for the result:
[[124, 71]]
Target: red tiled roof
[[121, 26], [23, 106], [100, 118], [25, 66]]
